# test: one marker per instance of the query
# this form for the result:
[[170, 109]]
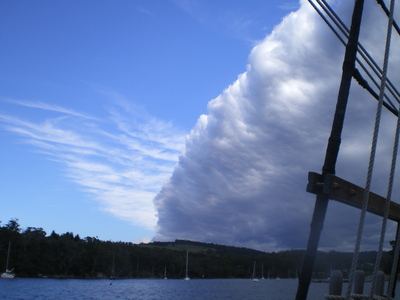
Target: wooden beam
[[348, 193]]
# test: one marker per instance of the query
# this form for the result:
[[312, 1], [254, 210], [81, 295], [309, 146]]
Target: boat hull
[[7, 275]]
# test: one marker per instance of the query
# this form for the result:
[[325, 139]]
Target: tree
[[13, 226]]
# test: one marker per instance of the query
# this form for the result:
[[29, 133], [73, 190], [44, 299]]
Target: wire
[[364, 54]]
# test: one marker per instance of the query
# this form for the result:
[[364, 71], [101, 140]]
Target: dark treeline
[[35, 254]]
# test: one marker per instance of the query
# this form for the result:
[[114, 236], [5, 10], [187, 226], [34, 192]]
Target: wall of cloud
[[241, 180]]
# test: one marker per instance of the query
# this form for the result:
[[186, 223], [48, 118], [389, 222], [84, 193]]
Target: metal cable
[[364, 54], [382, 4]]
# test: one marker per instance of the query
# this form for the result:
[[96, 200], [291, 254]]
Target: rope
[[366, 198], [395, 263], [371, 167], [383, 83], [358, 296], [361, 50], [364, 84], [382, 4], [394, 156]]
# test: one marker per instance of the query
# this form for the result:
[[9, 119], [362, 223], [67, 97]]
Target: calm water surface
[[82, 289]]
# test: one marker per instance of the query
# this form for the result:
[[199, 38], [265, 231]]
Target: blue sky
[[87, 84], [140, 120]]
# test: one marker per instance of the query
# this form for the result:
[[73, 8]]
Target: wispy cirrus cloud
[[121, 160], [239, 20], [45, 106]]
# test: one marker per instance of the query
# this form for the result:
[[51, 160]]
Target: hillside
[[208, 248], [36, 254]]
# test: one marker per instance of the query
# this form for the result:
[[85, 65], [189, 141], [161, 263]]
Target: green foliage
[[35, 254]]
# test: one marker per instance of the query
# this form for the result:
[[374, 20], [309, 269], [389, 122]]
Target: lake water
[[146, 289]]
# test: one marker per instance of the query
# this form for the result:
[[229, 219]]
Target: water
[[146, 289]]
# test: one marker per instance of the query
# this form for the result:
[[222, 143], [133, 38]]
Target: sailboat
[[254, 273], [165, 273], [187, 262], [112, 277], [8, 273]]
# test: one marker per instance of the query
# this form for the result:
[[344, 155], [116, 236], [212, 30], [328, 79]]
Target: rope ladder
[[327, 186]]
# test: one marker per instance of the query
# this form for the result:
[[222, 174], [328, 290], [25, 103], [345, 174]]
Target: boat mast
[[187, 261], [8, 255], [332, 151]]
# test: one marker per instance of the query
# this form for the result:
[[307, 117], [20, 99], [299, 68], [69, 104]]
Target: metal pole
[[332, 151]]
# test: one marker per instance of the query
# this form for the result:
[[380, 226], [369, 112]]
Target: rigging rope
[[395, 148], [370, 170], [364, 84], [364, 54], [357, 296], [395, 263], [362, 51], [382, 4]]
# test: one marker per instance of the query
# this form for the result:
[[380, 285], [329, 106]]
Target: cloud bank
[[242, 178]]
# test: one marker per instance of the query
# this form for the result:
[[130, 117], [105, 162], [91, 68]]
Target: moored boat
[[8, 274], [187, 278], [255, 279]]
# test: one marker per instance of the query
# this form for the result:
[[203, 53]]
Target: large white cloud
[[242, 177]]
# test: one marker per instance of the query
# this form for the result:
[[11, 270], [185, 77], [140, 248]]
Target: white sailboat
[[187, 264], [254, 273], [8, 273], [112, 277], [165, 273]]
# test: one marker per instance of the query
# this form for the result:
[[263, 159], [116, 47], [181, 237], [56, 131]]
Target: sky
[[160, 120]]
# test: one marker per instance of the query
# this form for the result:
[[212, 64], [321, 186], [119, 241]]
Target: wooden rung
[[348, 193]]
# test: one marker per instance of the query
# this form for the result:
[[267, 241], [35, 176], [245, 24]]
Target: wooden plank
[[348, 193]]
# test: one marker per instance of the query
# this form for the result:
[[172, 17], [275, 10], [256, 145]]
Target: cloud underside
[[243, 175]]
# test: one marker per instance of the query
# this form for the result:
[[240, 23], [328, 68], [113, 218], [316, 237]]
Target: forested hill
[[207, 248], [35, 254]]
